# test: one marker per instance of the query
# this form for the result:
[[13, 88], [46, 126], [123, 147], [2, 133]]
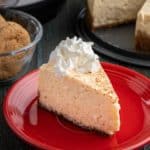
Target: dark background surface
[[55, 30]]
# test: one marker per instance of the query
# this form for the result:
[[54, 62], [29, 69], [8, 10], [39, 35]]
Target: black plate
[[116, 42], [44, 10], [23, 3]]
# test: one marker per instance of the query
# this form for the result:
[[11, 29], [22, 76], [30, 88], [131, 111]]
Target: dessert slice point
[[82, 92]]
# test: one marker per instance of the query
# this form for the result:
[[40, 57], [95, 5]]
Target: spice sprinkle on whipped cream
[[73, 54]]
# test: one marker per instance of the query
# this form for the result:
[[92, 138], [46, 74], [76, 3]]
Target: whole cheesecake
[[107, 13], [74, 84], [142, 33]]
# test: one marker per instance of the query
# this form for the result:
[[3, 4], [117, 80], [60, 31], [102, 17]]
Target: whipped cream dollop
[[74, 55]]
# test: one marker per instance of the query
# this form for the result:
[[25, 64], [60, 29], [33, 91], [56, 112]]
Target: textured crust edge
[[102, 133], [142, 41]]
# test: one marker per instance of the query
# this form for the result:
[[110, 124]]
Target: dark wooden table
[[54, 31]]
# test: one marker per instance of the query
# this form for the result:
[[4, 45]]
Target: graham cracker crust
[[74, 122], [142, 42]]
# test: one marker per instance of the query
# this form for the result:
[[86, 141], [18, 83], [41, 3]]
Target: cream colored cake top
[[74, 55], [143, 21], [113, 12], [146, 7]]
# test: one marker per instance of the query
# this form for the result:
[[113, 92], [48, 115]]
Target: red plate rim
[[36, 143]]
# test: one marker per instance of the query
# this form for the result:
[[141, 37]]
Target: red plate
[[45, 130]]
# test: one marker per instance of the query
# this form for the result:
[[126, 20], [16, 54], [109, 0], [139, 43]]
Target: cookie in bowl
[[19, 35], [12, 36]]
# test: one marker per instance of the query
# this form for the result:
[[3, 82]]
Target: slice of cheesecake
[[74, 84], [107, 13], [142, 33]]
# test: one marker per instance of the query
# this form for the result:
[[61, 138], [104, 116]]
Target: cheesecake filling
[[75, 85], [74, 55]]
